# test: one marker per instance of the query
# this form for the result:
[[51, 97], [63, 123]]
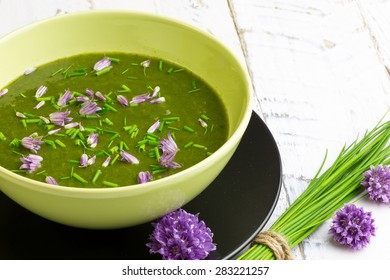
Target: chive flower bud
[[144, 177], [50, 180], [102, 64], [65, 98], [122, 100], [128, 157]]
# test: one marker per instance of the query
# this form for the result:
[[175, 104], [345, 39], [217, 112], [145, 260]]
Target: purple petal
[[65, 98], [50, 180], [91, 160], [144, 177], [71, 125], [100, 96], [106, 162], [146, 63], [3, 92], [166, 160], [90, 92], [168, 145], [122, 100], [128, 158], [20, 115], [54, 131], [157, 100], [154, 127], [40, 91], [89, 108], [92, 140], [29, 71], [101, 64], [82, 98], [84, 160], [40, 104], [140, 98], [44, 119], [202, 123], [155, 92]]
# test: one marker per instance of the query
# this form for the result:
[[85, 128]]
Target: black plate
[[236, 206]]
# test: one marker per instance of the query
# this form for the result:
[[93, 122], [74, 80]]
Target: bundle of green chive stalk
[[327, 193]]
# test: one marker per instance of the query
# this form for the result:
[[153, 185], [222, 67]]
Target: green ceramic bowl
[[109, 31]]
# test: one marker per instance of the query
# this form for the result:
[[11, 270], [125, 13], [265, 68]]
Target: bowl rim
[[232, 140]]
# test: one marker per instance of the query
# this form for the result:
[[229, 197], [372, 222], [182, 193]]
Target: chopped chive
[[126, 87], [189, 144], [79, 178], [157, 153], [18, 153], [114, 137], [134, 105], [194, 90], [134, 64], [113, 59], [70, 131], [66, 70], [178, 70], [170, 70], [134, 134], [80, 135], [60, 134], [75, 133], [22, 95], [50, 143], [15, 143], [189, 129], [174, 128], [103, 71], [76, 74], [49, 126], [96, 176], [65, 178], [153, 143], [102, 152], [110, 184], [121, 145], [33, 120], [56, 72], [24, 123], [132, 78], [114, 159], [209, 153], [198, 146], [152, 135], [161, 127], [81, 70], [204, 117], [141, 148], [212, 127], [171, 119], [160, 65], [92, 117], [110, 107], [2, 137], [40, 172], [19, 171], [109, 131], [194, 84], [59, 143], [30, 116], [114, 149], [71, 172], [108, 121], [154, 172], [142, 142], [125, 71], [75, 161]]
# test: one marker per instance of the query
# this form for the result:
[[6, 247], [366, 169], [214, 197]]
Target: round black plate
[[236, 206]]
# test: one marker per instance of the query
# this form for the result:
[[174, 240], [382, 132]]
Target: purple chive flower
[[84, 160], [71, 125], [89, 108], [100, 96], [101, 64], [168, 145], [157, 100], [60, 118], [3, 92], [122, 100], [166, 160], [377, 183], [180, 235], [31, 162], [352, 226], [154, 127], [128, 157], [144, 177], [106, 162], [92, 140], [65, 98], [40, 104], [32, 142], [50, 180], [140, 98], [40, 91], [29, 71]]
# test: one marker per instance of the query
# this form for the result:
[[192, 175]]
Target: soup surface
[[108, 120]]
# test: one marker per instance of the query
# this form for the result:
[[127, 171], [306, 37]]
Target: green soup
[[86, 127]]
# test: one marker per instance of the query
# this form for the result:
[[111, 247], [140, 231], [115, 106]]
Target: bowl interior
[[136, 33]]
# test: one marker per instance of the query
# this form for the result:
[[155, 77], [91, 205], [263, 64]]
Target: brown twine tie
[[276, 243]]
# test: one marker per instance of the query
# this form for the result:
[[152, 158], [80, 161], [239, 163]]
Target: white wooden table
[[320, 72]]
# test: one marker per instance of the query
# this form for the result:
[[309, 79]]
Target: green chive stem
[[110, 184], [96, 176], [79, 178], [189, 129]]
